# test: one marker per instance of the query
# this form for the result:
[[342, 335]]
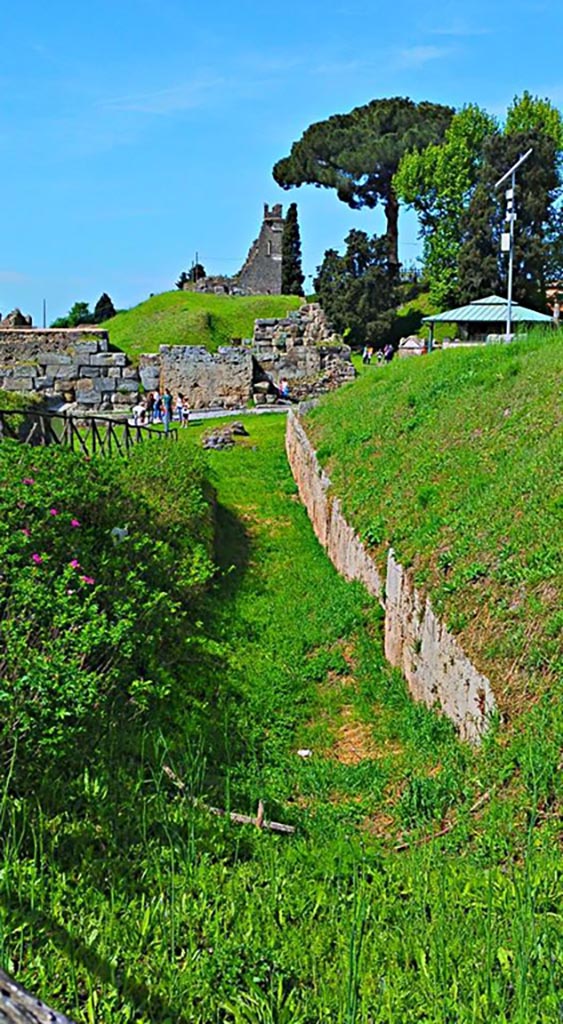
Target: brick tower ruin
[[261, 273]]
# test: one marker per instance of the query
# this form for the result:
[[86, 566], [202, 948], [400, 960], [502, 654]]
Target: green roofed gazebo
[[485, 316]]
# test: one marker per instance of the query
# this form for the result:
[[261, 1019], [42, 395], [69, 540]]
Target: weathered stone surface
[[222, 380], [114, 372], [108, 359], [437, 670], [16, 319], [127, 386]]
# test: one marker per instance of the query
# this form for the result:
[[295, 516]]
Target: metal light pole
[[507, 238]]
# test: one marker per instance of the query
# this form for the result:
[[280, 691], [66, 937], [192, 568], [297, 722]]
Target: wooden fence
[[91, 435]]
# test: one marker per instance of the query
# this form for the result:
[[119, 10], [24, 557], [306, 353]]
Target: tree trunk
[[392, 234]]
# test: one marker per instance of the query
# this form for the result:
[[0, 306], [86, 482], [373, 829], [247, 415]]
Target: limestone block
[[54, 359], [44, 383], [88, 397], [131, 372], [114, 372], [86, 348], [88, 371], [108, 359], [70, 372], [120, 398], [128, 386], [28, 370], [19, 384]]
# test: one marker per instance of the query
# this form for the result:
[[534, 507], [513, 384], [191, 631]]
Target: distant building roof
[[488, 310]]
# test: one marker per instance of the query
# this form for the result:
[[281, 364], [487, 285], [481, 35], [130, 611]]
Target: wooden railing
[[91, 435]]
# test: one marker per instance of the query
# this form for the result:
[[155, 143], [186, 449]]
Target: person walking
[[166, 409]]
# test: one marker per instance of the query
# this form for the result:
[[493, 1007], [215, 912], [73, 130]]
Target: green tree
[[104, 309], [78, 314], [358, 290], [438, 182], [292, 272], [358, 154], [482, 267]]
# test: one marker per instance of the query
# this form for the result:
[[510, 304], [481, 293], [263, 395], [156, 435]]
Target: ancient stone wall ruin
[[261, 273], [75, 365], [208, 380], [67, 365], [437, 670]]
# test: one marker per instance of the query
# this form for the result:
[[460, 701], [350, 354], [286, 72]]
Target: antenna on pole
[[507, 237]]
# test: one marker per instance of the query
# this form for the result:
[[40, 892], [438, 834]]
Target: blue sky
[[135, 132]]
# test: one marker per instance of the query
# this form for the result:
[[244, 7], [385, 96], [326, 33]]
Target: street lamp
[[507, 237]]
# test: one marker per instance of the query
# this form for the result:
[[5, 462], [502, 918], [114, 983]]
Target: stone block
[[87, 397], [70, 372], [128, 386], [131, 372], [88, 371], [54, 359], [114, 372], [44, 383], [150, 377], [108, 359], [86, 348], [23, 372], [19, 384], [119, 398]]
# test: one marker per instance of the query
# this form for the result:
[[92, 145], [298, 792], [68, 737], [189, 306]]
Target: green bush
[[100, 564]]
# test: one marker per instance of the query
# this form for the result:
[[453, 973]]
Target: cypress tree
[[292, 273]]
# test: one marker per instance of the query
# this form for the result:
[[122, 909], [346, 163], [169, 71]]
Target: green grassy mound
[[190, 318], [455, 461]]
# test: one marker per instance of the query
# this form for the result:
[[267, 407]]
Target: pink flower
[[74, 522], [26, 532], [53, 511], [36, 558], [28, 480], [75, 564], [88, 580], [69, 592]]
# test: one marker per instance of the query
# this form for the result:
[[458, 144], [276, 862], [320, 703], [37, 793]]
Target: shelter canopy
[[492, 309]]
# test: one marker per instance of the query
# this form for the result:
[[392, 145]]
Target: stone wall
[[67, 366], [220, 380], [436, 668]]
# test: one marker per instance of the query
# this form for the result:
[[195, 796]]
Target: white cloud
[[185, 96], [418, 56]]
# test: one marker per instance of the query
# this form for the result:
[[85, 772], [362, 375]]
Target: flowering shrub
[[90, 628]]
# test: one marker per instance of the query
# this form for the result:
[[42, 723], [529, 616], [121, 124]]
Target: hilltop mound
[[191, 318], [455, 462]]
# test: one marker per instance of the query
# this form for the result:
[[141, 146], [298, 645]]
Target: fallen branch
[[447, 828], [238, 819]]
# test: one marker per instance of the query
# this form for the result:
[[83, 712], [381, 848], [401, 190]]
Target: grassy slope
[[189, 318], [126, 904], [456, 462]]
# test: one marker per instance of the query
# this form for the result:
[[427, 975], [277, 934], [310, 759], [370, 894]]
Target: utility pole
[[507, 237]]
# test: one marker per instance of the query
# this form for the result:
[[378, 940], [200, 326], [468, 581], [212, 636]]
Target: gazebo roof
[[488, 310]]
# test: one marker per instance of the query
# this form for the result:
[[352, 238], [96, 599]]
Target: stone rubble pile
[[224, 437]]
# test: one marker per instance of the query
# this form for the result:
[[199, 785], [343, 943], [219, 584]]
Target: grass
[[191, 318], [121, 900], [455, 462]]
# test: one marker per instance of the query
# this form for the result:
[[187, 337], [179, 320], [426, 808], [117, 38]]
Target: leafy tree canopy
[[357, 154], [79, 313], [451, 187], [358, 290], [437, 182]]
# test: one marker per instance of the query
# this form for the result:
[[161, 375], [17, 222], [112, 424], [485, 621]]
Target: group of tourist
[[155, 408], [384, 355]]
